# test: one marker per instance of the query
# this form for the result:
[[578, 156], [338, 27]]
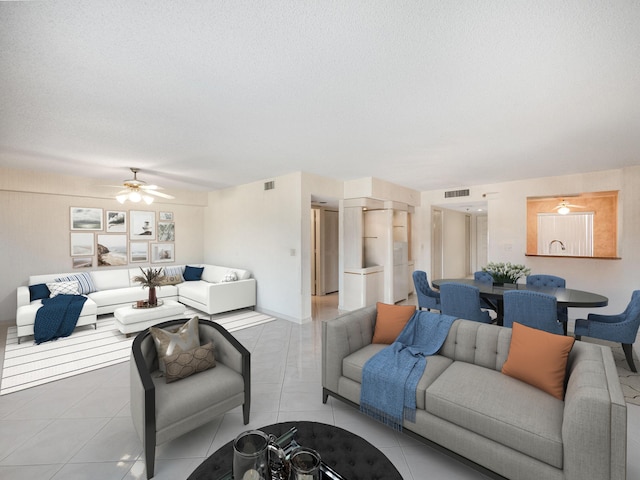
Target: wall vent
[[456, 193], [269, 185]]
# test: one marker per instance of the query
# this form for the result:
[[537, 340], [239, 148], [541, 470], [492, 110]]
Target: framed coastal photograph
[[82, 262], [166, 232], [143, 225], [138, 252], [162, 252], [82, 244], [86, 218], [112, 250], [116, 221], [165, 216]]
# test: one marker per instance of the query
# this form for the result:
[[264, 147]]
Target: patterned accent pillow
[[183, 364], [63, 288], [84, 280], [172, 276], [170, 342], [230, 276]]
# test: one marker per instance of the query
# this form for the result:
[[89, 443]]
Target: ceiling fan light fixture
[[563, 210], [137, 191], [135, 197]]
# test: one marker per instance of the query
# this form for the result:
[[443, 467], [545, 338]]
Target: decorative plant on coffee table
[[506, 272], [151, 278]]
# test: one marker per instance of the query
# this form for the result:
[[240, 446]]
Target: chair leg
[[628, 353], [245, 413], [578, 337], [150, 459]]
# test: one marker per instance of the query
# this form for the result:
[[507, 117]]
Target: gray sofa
[[499, 425]]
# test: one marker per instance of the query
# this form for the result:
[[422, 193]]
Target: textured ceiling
[[425, 94]]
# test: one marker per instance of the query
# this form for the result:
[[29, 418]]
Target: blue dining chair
[[485, 277], [621, 328], [551, 281], [462, 301], [533, 309], [427, 297]]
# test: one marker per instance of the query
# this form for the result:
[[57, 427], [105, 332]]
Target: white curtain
[[570, 234]]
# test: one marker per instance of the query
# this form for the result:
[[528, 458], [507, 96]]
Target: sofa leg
[[325, 395], [628, 353], [578, 337]]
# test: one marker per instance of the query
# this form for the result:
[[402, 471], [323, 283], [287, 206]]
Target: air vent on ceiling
[[456, 193], [269, 185]]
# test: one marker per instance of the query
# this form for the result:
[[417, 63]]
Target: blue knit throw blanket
[[390, 378], [57, 317]]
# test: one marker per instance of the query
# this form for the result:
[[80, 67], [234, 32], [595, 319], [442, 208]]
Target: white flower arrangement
[[506, 272]]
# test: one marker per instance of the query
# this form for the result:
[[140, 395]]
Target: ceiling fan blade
[[159, 194], [150, 187]]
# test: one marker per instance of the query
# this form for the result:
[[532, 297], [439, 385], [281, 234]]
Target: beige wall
[[35, 234]]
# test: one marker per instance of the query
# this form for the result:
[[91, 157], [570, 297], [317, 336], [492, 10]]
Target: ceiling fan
[[137, 190], [564, 207]]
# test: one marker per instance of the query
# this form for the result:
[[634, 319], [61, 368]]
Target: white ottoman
[[130, 320]]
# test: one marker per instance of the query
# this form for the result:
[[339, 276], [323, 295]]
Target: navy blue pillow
[[192, 273], [39, 291]]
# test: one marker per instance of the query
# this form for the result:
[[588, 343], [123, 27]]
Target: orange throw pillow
[[390, 321], [538, 358]]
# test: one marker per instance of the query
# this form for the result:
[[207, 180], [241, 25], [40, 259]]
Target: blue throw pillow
[[192, 273], [39, 291]]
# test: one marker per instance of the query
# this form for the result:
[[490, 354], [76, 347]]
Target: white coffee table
[[130, 320]]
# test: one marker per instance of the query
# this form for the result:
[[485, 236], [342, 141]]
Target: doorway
[[325, 273]]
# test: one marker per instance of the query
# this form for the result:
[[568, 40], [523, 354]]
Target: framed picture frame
[[142, 225], [116, 221], [138, 252], [162, 252], [86, 218], [82, 244], [165, 216], [166, 232], [112, 250], [82, 262]]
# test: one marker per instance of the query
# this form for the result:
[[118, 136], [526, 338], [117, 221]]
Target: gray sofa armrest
[[341, 337], [594, 428]]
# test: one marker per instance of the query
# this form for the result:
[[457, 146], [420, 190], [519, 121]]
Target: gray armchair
[[164, 411]]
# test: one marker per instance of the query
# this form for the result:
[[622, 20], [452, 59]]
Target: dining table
[[494, 293]]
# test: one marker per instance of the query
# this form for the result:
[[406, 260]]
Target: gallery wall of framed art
[[108, 238]]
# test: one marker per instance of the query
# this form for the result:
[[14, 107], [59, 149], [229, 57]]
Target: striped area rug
[[28, 365]]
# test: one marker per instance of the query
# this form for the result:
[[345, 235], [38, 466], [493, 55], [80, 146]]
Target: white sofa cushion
[[130, 295], [26, 314], [111, 279]]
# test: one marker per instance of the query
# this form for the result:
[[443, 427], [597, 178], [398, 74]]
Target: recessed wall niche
[[589, 229]]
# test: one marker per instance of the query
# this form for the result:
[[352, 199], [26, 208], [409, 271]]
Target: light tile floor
[[80, 428]]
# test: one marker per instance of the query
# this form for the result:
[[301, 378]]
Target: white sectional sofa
[[215, 292]]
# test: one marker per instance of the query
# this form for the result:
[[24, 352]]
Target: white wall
[[266, 232], [35, 233], [507, 209]]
